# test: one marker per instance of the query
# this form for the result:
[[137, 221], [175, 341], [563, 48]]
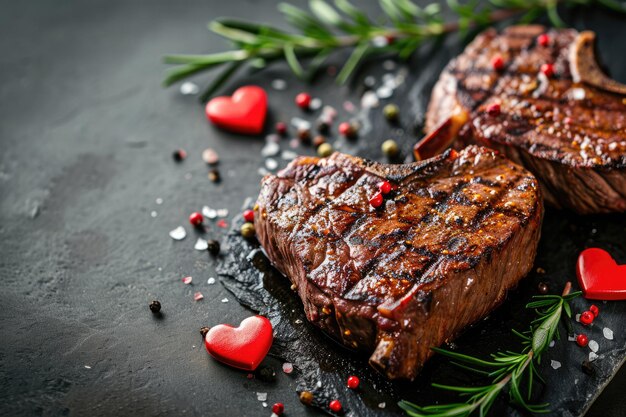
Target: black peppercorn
[[265, 373], [304, 135], [203, 331], [323, 127], [155, 307], [213, 246], [588, 368], [214, 175], [543, 288], [179, 155]]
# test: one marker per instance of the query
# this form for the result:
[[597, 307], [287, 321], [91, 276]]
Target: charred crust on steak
[[461, 229]]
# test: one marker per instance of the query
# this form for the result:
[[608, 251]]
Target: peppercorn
[[347, 129], [543, 288], [588, 368], [594, 310], [203, 331], [265, 373], [214, 175], [324, 150], [304, 135], [391, 112], [586, 317], [278, 409], [390, 148], [384, 187], [376, 200], [335, 406], [497, 63], [213, 246], [543, 39], [155, 307], [179, 155], [353, 382], [196, 219], [318, 140], [582, 340], [306, 397], [247, 230], [547, 70], [281, 128], [493, 110], [323, 126], [248, 215], [303, 100]]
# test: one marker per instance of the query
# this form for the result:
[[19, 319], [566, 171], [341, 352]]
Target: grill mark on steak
[[381, 280], [571, 135]]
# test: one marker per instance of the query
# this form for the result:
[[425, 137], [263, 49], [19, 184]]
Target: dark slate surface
[[86, 135]]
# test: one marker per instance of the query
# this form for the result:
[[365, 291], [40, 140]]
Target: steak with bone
[[451, 237], [565, 123]]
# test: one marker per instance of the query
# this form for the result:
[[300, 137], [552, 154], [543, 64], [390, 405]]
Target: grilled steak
[[452, 236], [568, 128]]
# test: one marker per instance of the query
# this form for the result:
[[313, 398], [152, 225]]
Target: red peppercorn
[[278, 409], [586, 317], [335, 406], [543, 39], [248, 215], [303, 100], [493, 110], [346, 129], [390, 39], [377, 200], [384, 187], [353, 382], [582, 340], [497, 63], [547, 70], [594, 310], [196, 219], [281, 128]]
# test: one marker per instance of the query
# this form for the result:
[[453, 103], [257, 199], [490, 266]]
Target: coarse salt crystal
[[571, 338], [261, 396], [592, 356], [187, 280], [555, 364], [593, 345], [201, 244], [551, 344], [578, 93], [279, 84], [179, 233], [287, 367], [315, 104], [222, 212], [578, 318], [380, 41], [384, 92], [300, 123], [382, 405], [159, 201], [270, 149], [271, 164], [298, 321], [209, 212], [189, 89], [608, 333], [87, 367], [369, 81], [264, 404], [224, 300], [153, 213], [288, 155], [369, 100], [211, 281], [198, 296], [319, 384]]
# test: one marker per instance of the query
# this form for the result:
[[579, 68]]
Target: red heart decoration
[[243, 112], [600, 277], [242, 347]]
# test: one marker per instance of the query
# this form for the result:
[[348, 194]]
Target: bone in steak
[[569, 128], [454, 234]]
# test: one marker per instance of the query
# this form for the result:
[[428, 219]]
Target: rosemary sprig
[[505, 369], [328, 28]]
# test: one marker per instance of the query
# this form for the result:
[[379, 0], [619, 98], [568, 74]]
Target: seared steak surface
[[571, 135], [453, 235]]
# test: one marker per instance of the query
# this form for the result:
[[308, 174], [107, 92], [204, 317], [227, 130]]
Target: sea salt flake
[[300, 123], [382, 405], [592, 356], [288, 155], [187, 280], [298, 321], [201, 244], [287, 367], [211, 281], [270, 149], [261, 396], [179, 233], [380, 41], [369, 100], [552, 343], [153, 214], [87, 367], [224, 300], [222, 212], [222, 223], [319, 384], [272, 137], [315, 104], [555, 364], [578, 318], [189, 89], [608, 333], [271, 164], [578, 93], [198, 296], [593, 345], [279, 84], [264, 404], [571, 338], [209, 212], [210, 156], [159, 201], [384, 92], [576, 381], [262, 171]]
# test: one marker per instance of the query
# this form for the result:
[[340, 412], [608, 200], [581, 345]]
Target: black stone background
[[86, 135]]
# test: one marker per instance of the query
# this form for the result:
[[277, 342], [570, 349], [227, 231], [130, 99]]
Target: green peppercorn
[[247, 230], [324, 150], [391, 112], [390, 148]]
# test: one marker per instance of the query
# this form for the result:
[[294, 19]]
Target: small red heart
[[600, 277], [243, 112], [242, 347]]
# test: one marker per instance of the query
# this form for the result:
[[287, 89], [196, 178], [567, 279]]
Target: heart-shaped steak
[[395, 259], [600, 277], [242, 347], [243, 112]]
